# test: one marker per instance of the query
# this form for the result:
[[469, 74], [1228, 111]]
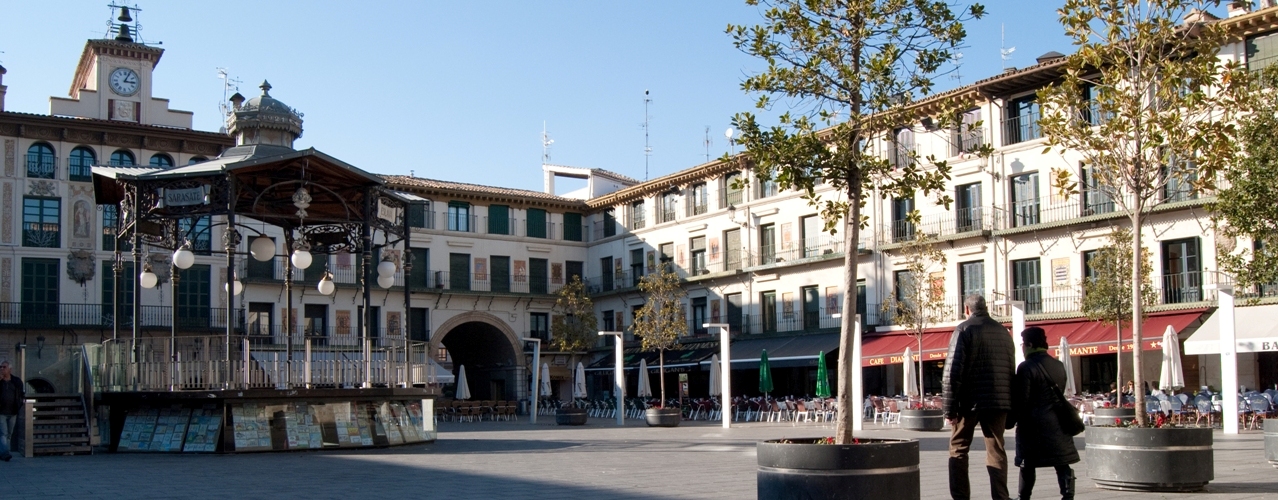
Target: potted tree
[[1107, 296], [852, 73], [917, 303], [1151, 112], [573, 327], [659, 324]]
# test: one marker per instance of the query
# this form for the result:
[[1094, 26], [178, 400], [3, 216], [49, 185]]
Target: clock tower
[[113, 81]]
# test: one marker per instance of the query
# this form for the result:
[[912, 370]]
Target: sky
[[461, 91]]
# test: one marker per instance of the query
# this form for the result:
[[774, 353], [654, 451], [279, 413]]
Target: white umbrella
[[716, 386], [545, 379], [1069, 368], [1173, 373], [911, 378], [645, 386], [579, 385], [463, 390]]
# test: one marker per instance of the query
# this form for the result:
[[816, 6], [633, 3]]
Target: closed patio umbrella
[[545, 380], [911, 378], [823, 378], [765, 373], [715, 385], [463, 390], [1172, 376], [579, 382], [1068, 361], [644, 390]]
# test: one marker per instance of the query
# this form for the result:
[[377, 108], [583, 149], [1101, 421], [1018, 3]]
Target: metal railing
[[79, 169], [204, 362], [967, 141], [731, 197], [1021, 128], [961, 220], [799, 320], [617, 281], [42, 166], [52, 316], [488, 282], [824, 246]]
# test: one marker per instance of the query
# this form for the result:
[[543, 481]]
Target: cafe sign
[[186, 197]]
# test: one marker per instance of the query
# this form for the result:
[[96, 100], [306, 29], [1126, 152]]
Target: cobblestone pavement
[[518, 460]]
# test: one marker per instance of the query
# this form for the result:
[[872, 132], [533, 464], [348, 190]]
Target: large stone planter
[[922, 420], [1145, 459], [1271, 442], [663, 417], [570, 416], [1107, 416], [871, 469]]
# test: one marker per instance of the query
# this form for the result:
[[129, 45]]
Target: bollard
[[28, 429]]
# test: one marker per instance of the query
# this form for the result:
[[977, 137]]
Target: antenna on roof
[[647, 150], [958, 66], [229, 84], [546, 141], [1004, 51], [707, 144]]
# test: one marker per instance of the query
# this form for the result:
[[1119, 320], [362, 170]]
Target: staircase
[[59, 427]]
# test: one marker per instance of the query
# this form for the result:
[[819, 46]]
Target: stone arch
[[476, 317], [490, 350]]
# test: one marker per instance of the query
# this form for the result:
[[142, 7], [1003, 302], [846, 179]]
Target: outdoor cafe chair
[[880, 410], [893, 412]]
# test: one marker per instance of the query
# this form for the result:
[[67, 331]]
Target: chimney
[[1239, 7], [236, 100], [2, 88]]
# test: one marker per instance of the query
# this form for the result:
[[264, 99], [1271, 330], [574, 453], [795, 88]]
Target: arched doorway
[[485, 346]]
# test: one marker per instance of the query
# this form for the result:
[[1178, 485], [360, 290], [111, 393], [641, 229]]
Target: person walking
[[977, 388], [12, 393], [1040, 442]]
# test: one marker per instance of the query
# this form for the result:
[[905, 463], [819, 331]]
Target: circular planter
[[1271, 442], [1108, 416], [663, 417], [803, 469], [570, 416], [1144, 459], [922, 420]]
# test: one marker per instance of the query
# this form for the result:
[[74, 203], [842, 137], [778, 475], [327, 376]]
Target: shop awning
[[888, 348], [685, 357], [783, 352], [1255, 329], [1087, 337]]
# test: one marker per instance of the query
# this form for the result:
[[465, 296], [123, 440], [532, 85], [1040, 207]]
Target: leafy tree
[[660, 322], [575, 326], [1107, 292], [852, 71], [921, 301], [1245, 206], [1147, 105]]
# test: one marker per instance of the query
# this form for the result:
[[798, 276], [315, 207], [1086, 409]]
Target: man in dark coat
[[12, 393], [977, 387], [1039, 439]]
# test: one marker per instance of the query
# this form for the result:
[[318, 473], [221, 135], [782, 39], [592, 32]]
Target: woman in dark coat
[[1039, 439]]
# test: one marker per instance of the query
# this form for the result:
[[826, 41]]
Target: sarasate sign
[[198, 195]]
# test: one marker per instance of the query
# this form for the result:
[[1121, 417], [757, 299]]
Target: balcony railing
[[967, 141], [731, 197], [800, 321], [1021, 128], [489, 282], [52, 316], [79, 170], [961, 220], [617, 281], [42, 166], [824, 246], [665, 215]]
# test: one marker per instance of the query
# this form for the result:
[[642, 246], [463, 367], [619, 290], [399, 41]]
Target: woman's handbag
[[1066, 414]]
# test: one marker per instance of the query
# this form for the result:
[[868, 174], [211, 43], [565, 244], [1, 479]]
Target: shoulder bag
[[1071, 424]]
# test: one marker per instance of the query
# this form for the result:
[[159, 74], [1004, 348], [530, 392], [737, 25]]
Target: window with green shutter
[[572, 227], [536, 223], [498, 219]]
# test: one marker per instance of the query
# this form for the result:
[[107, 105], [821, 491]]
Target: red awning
[[889, 348], [1088, 337]]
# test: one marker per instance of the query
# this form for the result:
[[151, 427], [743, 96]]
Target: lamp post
[[725, 371], [618, 378], [1018, 325], [532, 415], [1228, 356]]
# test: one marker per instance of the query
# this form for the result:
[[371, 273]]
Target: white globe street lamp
[[301, 259], [239, 287], [385, 281], [183, 257], [386, 268], [326, 286], [148, 279], [262, 248]]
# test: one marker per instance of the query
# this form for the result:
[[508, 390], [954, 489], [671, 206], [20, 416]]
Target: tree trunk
[[849, 382], [661, 376], [920, 355], [1118, 369], [1138, 390]]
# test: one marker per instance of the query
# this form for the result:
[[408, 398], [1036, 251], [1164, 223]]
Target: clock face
[[124, 81]]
